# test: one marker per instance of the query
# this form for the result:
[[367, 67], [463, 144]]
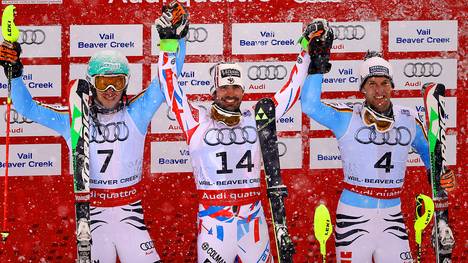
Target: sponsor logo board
[[412, 74], [356, 36], [428, 35], [21, 126], [31, 160], [167, 157], [265, 38], [40, 41], [41, 81], [85, 40]]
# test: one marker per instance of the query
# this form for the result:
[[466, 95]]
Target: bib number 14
[[244, 162]]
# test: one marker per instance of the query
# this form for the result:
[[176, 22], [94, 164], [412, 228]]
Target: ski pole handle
[[322, 228], [422, 219]]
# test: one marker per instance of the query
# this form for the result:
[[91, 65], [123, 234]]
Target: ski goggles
[[380, 122], [104, 82], [229, 118]]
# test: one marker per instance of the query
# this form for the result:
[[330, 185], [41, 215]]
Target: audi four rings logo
[[406, 255], [349, 32], [228, 136], [31, 36], [170, 114], [15, 117], [147, 246], [197, 34], [110, 132], [282, 153], [399, 135], [264, 72], [419, 69]]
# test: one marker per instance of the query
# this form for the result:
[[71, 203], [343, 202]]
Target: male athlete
[[225, 154], [374, 139], [117, 134]]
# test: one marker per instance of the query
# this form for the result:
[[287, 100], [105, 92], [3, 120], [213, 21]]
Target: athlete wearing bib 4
[[225, 154], [374, 139], [117, 133]]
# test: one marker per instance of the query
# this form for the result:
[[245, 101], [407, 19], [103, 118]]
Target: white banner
[[40, 41], [21, 126], [32, 159], [167, 157], [41, 81], [428, 35], [412, 74], [85, 40], [264, 76], [266, 38], [356, 36]]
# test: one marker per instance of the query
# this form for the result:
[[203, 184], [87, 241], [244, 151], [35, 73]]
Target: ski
[[276, 190], [434, 103], [79, 131]]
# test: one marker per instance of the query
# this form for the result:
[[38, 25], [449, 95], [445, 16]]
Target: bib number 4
[[385, 162]]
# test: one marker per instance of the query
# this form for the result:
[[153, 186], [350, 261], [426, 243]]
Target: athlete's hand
[[317, 39], [174, 21], [447, 181], [445, 237], [10, 58]]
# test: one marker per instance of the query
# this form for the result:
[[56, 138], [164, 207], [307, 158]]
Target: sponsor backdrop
[[424, 42]]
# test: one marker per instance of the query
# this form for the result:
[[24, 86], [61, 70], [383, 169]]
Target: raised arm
[[287, 96], [56, 118], [171, 58]]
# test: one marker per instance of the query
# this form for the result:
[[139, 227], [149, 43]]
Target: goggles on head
[[380, 122], [104, 82], [229, 118]]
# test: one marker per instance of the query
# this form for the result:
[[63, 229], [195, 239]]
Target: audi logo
[[264, 72], [110, 132], [400, 135], [228, 136], [425, 69], [147, 245], [197, 34], [349, 32], [15, 117], [406, 255], [31, 36]]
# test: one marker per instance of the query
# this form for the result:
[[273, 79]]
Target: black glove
[[317, 39], [10, 58], [174, 21]]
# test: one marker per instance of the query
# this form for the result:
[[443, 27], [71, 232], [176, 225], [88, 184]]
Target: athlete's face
[[109, 99], [378, 91], [229, 97]]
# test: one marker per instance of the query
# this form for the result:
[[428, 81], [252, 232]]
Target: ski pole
[[10, 33], [422, 219], [322, 228]]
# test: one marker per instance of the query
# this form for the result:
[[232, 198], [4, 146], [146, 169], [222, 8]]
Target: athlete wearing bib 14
[[374, 139], [225, 155], [117, 134]]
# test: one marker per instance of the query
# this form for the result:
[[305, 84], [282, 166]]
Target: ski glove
[[445, 237], [317, 39], [173, 24], [447, 181], [10, 58]]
